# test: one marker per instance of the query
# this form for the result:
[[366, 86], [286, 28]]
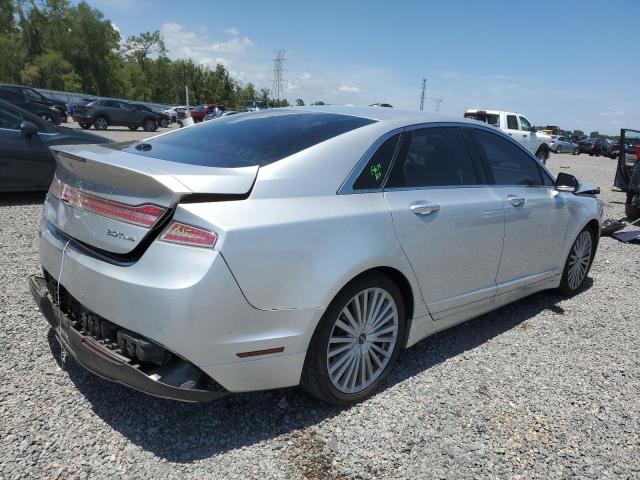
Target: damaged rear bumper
[[111, 365]]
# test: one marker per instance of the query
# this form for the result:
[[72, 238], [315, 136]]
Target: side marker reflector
[[257, 353]]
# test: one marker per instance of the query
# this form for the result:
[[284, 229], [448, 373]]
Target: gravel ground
[[122, 134], [544, 388]]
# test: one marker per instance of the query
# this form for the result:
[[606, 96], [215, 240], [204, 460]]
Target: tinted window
[[512, 122], [433, 157], [493, 119], [248, 139], [524, 124], [111, 103], [508, 162], [373, 174], [33, 95], [9, 118]]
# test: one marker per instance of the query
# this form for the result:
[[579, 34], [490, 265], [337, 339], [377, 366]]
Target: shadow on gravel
[[21, 198], [185, 433]]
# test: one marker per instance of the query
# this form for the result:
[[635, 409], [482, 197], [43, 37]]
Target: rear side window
[[493, 119], [512, 122], [433, 157], [376, 170], [509, 164], [9, 118], [111, 103], [248, 139]]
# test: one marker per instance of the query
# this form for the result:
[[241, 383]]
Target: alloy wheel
[[362, 340], [559, 150], [100, 123], [579, 260]]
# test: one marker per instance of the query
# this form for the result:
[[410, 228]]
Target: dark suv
[[105, 113], [164, 119], [33, 101]]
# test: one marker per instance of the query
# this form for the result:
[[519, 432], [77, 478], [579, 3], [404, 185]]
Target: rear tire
[[576, 151], [559, 149], [164, 122], [100, 123], [543, 155], [578, 263], [133, 128], [632, 213], [149, 125], [345, 365]]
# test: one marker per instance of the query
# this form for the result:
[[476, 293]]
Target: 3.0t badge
[[120, 235]]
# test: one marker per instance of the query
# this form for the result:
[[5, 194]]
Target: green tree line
[[55, 45]]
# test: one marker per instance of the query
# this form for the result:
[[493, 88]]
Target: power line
[[437, 102], [424, 87], [277, 89]]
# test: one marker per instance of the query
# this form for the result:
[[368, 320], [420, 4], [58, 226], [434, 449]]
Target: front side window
[[524, 124], [509, 164], [9, 118], [377, 167], [32, 95], [433, 157], [111, 104], [512, 122]]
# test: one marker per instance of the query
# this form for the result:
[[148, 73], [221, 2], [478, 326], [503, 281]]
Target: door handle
[[424, 208], [516, 201]]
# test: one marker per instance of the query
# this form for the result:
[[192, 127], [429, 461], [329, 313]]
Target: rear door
[[449, 222], [536, 215]]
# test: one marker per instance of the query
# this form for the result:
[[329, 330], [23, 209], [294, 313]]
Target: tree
[[318, 103], [50, 70], [578, 132], [594, 135], [299, 102]]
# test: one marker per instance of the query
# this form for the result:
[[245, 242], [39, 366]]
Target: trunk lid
[[117, 201]]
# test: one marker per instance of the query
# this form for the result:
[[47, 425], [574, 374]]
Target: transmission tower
[[424, 87], [278, 68], [437, 102]]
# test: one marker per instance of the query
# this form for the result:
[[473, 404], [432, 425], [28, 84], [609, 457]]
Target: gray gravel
[[544, 388]]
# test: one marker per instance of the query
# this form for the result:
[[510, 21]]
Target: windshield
[[247, 139]]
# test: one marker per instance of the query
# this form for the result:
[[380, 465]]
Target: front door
[[536, 215], [450, 224]]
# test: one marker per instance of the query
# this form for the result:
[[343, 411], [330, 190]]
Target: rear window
[[247, 140]]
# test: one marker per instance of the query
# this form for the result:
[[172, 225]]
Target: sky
[[569, 63]]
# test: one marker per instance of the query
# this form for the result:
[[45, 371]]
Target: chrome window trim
[[18, 130]]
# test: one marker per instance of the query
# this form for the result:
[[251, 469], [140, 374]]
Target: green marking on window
[[376, 171]]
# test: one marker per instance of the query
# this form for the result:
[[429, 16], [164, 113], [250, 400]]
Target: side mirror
[[532, 129], [566, 182], [28, 128]]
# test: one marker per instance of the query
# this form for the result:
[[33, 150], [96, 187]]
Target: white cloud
[[614, 112], [115, 27], [305, 76], [200, 48], [349, 89], [232, 31]]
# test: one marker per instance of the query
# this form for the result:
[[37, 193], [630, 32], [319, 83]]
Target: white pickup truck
[[517, 126]]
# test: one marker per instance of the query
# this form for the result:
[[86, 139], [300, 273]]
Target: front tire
[[164, 122], [578, 262], [100, 123], [559, 149], [357, 341]]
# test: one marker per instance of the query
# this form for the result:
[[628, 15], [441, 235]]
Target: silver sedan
[[561, 144], [297, 247]]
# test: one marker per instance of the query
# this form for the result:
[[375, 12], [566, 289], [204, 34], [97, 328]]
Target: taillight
[[143, 215], [189, 235]]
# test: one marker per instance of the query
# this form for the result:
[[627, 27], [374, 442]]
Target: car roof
[[383, 115]]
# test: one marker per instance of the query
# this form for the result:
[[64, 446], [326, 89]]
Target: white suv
[[517, 126]]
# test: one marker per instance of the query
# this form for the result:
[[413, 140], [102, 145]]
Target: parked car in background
[[593, 146], [516, 126], [562, 144], [577, 138], [627, 177], [32, 101], [173, 112], [26, 163], [163, 118], [298, 246], [102, 114], [210, 116]]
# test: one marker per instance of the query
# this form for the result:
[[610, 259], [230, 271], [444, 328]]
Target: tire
[[85, 125], [354, 357], [149, 125], [164, 122], [133, 127], [543, 155], [631, 212], [578, 263], [559, 149], [576, 151], [100, 123]]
